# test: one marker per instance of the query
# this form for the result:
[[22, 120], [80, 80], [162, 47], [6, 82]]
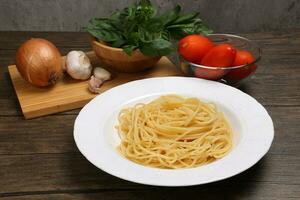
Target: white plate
[[96, 137]]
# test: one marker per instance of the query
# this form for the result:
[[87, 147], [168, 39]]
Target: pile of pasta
[[173, 132]]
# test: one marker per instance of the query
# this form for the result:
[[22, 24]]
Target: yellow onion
[[39, 62]]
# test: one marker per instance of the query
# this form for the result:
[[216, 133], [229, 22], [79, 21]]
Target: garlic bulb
[[78, 65], [100, 75]]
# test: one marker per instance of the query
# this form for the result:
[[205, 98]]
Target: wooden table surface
[[39, 159]]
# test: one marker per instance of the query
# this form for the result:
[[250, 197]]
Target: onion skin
[[39, 62]]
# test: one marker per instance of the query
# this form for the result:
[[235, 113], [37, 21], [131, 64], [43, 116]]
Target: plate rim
[[268, 117]]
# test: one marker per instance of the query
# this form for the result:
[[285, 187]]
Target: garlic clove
[[102, 74], [94, 84], [78, 65]]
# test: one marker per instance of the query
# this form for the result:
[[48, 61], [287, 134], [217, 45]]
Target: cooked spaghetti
[[173, 132]]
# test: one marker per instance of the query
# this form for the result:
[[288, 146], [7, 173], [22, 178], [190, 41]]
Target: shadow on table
[[245, 88], [7, 92], [98, 184], [236, 187]]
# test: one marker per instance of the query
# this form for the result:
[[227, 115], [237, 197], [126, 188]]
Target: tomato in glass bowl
[[243, 66]]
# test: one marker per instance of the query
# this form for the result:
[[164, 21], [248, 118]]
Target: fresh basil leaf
[[104, 35], [133, 38], [129, 49], [103, 24], [153, 25], [179, 26], [118, 43], [185, 18], [194, 27], [145, 3], [171, 15], [158, 47], [145, 10], [197, 27], [205, 30], [115, 15], [138, 27], [165, 35]]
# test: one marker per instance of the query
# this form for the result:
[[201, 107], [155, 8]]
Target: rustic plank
[[282, 47], [280, 56], [269, 82], [12, 40], [54, 134], [51, 134], [246, 191], [51, 172], [70, 94], [39, 160], [72, 172], [54, 173], [282, 43], [47, 144], [272, 72]]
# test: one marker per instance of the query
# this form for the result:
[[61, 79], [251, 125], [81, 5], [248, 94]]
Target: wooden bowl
[[118, 60]]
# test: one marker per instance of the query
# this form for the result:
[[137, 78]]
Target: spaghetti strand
[[173, 132]]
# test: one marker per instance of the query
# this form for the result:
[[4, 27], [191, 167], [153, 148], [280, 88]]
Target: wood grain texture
[[120, 61], [54, 134], [59, 173], [12, 40], [264, 86], [246, 191], [280, 55], [68, 94], [39, 160], [47, 160]]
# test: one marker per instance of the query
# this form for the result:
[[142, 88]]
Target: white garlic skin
[[95, 84], [78, 65], [102, 74]]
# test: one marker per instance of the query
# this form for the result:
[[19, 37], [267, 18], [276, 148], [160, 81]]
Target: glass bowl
[[234, 75]]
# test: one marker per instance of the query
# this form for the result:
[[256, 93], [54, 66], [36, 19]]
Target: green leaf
[[179, 26], [151, 30], [129, 49], [196, 26], [104, 23], [205, 30], [145, 9], [115, 15], [118, 43], [133, 38], [158, 47], [165, 35], [171, 15], [138, 27], [153, 25], [185, 18], [104, 35]]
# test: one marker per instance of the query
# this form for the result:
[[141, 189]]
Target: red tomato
[[220, 56], [193, 47], [241, 58], [209, 74]]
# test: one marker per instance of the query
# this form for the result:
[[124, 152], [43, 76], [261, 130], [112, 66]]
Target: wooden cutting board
[[69, 94]]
